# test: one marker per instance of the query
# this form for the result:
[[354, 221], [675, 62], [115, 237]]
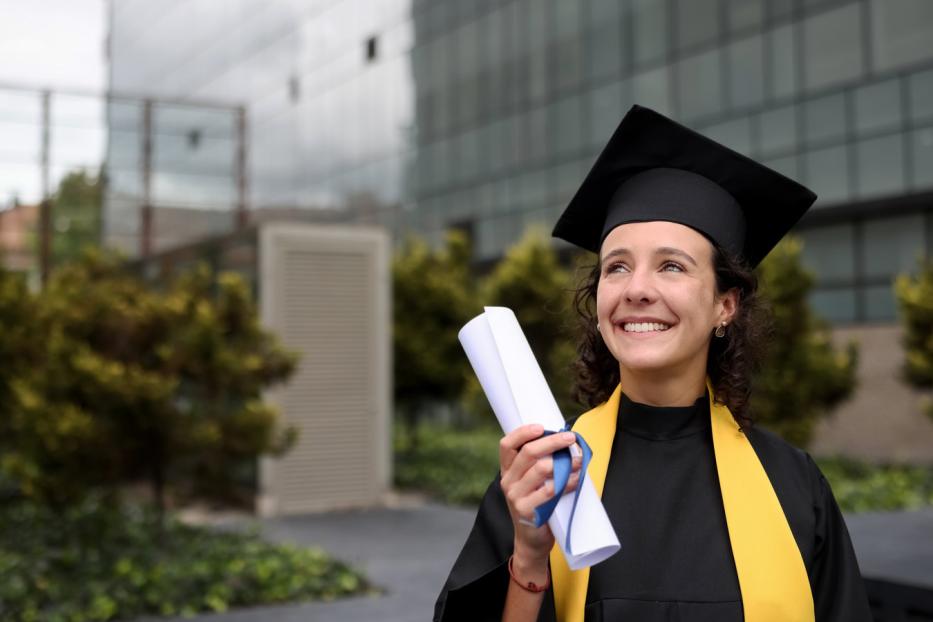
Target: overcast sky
[[53, 43], [58, 45]]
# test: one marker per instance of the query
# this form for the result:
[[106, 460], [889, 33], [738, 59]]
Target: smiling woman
[[718, 519]]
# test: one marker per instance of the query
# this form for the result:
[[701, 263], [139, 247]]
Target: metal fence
[[135, 173]]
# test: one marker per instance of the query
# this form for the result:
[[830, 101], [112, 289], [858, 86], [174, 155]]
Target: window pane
[[880, 166], [789, 166], [880, 304], [745, 13], [783, 61], [878, 106], [567, 46], [649, 30], [827, 173], [697, 22], [780, 8], [921, 96], [604, 38], [700, 86], [834, 305], [746, 72], [567, 125], [778, 129], [537, 133], [652, 88], [825, 119], [533, 14], [923, 158], [829, 253], [892, 245], [901, 32], [607, 105], [834, 46], [734, 134]]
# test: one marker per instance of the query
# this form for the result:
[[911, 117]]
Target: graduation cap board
[[656, 169]]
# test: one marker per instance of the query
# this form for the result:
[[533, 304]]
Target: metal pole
[[45, 207], [242, 207], [145, 241]]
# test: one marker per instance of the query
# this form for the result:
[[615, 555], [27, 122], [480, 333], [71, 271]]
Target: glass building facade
[[425, 115]]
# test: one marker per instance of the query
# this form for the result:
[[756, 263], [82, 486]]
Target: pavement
[[408, 552], [894, 546]]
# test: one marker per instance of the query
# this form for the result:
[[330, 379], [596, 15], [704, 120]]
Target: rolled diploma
[[519, 394]]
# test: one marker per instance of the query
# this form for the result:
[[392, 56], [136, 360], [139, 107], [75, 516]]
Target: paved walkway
[[408, 552]]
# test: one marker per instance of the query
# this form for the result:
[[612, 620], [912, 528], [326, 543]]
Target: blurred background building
[[484, 115]]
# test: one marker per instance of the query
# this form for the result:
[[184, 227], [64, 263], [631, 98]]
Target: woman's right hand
[[527, 481]]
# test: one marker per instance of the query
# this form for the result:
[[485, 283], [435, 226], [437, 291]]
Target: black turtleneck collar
[[663, 423]]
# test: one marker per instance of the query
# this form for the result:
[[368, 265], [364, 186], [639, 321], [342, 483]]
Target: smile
[[644, 327]]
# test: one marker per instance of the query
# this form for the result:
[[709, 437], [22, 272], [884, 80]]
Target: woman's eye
[[668, 265], [615, 267]]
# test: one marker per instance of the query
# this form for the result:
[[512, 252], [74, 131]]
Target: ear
[[730, 305]]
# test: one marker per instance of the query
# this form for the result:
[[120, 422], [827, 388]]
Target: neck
[[662, 389]]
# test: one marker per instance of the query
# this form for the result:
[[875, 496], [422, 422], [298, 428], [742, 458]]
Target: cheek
[[604, 300]]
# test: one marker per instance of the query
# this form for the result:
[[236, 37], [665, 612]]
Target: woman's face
[[656, 302]]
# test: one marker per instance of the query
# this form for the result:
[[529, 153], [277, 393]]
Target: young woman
[[718, 519]]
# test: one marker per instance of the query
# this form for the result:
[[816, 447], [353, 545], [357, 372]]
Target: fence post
[[45, 206]]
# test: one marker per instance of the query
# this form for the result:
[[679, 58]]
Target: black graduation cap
[[656, 169]]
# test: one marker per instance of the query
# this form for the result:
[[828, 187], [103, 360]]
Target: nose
[[639, 288]]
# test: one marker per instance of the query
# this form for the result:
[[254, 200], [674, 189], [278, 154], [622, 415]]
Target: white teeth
[[643, 327]]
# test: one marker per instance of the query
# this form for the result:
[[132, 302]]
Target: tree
[[530, 280], [915, 301], [803, 376], [222, 359], [433, 297], [77, 208], [136, 383]]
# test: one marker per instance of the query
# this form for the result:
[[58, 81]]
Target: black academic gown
[[663, 498]]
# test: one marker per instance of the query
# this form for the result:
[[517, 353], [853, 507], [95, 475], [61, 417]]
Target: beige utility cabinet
[[326, 291]]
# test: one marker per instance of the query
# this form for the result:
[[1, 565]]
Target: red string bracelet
[[531, 586]]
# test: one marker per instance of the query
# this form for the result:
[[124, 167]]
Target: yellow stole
[[772, 575]]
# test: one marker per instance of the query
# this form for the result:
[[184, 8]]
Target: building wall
[[485, 114], [884, 420]]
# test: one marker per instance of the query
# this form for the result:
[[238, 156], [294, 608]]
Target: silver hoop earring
[[598, 328], [721, 330]]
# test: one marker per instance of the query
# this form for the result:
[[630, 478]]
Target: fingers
[[525, 504], [538, 475], [532, 451], [514, 440]]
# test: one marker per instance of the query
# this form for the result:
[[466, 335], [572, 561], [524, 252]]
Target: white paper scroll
[[519, 394]]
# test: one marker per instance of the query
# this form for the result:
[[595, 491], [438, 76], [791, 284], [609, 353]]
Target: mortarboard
[[656, 169]]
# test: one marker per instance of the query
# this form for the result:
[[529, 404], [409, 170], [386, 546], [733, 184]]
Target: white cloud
[[57, 44]]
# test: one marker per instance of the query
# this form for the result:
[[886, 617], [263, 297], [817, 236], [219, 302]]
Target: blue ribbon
[[563, 464]]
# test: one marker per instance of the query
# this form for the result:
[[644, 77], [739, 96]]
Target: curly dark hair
[[732, 359]]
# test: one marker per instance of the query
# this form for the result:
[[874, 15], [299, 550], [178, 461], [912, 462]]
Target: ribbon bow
[[563, 464]]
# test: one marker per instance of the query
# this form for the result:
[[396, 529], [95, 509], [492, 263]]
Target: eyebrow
[[663, 250]]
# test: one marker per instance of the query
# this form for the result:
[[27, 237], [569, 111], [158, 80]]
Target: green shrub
[[99, 563], [803, 375], [915, 303], [454, 466], [128, 382], [862, 487]]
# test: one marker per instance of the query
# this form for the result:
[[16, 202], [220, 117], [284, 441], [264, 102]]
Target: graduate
[[718, 520]]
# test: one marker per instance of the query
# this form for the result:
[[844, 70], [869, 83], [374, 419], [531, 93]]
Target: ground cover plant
[[94, 562]]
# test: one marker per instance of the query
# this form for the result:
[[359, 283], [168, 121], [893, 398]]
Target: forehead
[[648, 236]]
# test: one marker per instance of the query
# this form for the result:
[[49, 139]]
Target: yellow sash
[[772, 576]]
